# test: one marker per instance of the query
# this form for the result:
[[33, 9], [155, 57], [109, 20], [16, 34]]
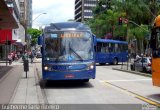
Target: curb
[[133, 72], [42, 90], [39, 91]]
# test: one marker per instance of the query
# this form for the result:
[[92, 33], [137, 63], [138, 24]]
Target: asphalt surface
[[96, 91]]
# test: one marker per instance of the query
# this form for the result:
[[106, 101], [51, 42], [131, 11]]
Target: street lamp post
[[135, 46], [32, 23], [38, 16]]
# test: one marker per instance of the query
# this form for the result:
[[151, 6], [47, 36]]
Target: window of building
[[21, 15], [21, 4]]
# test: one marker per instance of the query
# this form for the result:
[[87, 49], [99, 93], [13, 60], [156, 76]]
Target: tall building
[[83, 9], [26, 17], [26, 13], [9, 36], [13, 25]]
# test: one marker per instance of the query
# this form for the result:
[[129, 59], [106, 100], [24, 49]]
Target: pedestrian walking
[[31, 57], [10, 58], [25, 56]]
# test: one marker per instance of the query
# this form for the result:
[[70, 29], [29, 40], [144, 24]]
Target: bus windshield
[[68, 46]]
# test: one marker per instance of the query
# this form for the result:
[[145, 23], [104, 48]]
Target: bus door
[[155, 45]]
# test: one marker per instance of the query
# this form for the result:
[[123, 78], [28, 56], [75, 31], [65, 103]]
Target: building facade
[[9, 36], [13, 38], [83, 9], [26, 13], [26, 18]]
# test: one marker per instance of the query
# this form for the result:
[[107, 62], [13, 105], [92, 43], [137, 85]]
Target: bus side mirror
[[95, 40], [41, 49], [40, 40]]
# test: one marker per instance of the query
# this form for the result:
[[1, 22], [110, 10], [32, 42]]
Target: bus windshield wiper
[[75, 53]]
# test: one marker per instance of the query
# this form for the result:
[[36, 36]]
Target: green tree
[[35, 33], [107, 12]]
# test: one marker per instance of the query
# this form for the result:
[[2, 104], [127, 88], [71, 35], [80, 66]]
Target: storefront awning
[[20, 44], [4, 41], [7, 20]]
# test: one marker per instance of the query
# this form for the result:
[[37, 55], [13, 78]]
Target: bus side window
[[107, 47], [103, 48], [125, 48], [158, 44], [120, 47], [117, 48], [155, 42], [95, 48], [99, 45], [111, 47]]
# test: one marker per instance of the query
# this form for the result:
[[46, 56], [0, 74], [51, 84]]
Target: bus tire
[[102, 63], [43, 83], [85, 80], [115, 61]]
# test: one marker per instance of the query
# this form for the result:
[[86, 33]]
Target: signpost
[[26, 66]]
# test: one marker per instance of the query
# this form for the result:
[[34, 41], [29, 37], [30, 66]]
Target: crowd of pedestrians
[[14, 56]]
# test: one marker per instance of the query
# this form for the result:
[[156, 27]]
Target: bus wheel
[[102, 63], [115, 61], [43, 83], [85, 80]]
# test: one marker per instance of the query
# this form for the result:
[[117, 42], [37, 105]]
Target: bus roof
[[67, 26], [111, 41]]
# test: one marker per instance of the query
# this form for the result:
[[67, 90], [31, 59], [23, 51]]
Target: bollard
[[26, 66]]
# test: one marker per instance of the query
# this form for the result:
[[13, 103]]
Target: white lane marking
[[126, 80]]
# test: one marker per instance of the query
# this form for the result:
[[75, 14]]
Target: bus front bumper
[[70, 75]]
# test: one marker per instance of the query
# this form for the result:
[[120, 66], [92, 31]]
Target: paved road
[[109, 87]]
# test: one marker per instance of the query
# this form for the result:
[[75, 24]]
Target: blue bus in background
[[111, 51], [67, 52]]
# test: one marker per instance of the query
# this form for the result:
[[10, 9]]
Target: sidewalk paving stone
[[28, 90], [8, 83]]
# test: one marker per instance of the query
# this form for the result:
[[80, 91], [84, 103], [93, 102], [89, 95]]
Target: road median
[[133, 72]]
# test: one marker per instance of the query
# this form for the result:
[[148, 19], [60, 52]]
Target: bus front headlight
[[91, 66], [46, 68]]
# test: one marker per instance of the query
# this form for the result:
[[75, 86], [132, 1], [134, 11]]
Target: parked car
[[39, 55], [141, 64]]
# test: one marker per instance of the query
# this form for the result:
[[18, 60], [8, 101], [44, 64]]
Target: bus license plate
[[69, 76]]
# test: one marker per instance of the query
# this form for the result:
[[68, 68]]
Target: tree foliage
[[137, 16], [35, 33], [107, 12]]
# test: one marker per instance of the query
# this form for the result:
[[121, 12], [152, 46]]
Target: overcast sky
[[57, 11]]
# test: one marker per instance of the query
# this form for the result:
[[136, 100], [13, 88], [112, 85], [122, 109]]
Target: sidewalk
[[5, 68], [9, 77], [28, 90]]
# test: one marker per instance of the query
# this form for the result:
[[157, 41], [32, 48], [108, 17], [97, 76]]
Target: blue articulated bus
[[111, 51], [67, 52]]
